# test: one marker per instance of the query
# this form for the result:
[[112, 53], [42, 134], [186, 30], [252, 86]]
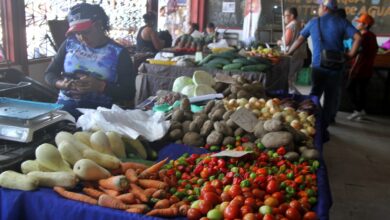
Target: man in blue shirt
[[333, 30]]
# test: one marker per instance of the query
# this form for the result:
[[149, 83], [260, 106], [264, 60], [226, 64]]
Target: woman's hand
[[65, 84], [88, 84]]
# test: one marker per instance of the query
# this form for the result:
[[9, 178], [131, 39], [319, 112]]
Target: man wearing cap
[[362, 67], [333, 29], [90, 69]]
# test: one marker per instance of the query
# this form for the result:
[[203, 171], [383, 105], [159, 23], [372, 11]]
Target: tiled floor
[[358, 161]]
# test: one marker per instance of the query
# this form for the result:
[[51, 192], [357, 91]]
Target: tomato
[[268, 217], [207, 188], [279, 196], [251, 202], [265, 209], [211, 197], [204, 218], [238, 201], [271, 201], [223, 206], [272, 186], [283, 207], [221, 163], [194, 214], [205, 206], [262, 171], [204, 173], [225, 197], [258, 193], [249, 216], [215, 214], [217, 184], [245, 210], [231, 212], [235, 190], [310, 216], [296, 205], [281, 151], [293, 214]]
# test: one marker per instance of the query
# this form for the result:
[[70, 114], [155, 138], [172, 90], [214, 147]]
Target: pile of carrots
[[134, 188]]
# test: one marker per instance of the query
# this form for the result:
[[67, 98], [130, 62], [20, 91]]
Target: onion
[[311, 131], [296, 124], [252, 100], [247, 106]]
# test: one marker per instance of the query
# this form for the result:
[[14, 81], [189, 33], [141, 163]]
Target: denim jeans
[[327, 82]]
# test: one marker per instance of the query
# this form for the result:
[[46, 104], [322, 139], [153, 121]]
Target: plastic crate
[[304, 77]]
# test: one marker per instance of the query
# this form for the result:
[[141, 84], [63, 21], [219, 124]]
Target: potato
[[220, 86], [227, 115], [214, 138], [208, 107], [276, 139], [291, 156], [201, 118], [239, 132], [273, 125], [217, 114], [243, 94], [185, 104], [206, 128], [226, 92], [311, 154], [193, 139], [302, 148], [229, 140], [176, 134], [195, 126], [185, 126], [178, 115], [188, 115], [221, 127], [298, 136], [259, 130], [231, 124], [179, 142], [234, 89], [175, 125]]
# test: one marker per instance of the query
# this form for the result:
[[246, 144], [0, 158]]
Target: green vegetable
[[245, 183], [181, 82], [233, 66], [255, 68]]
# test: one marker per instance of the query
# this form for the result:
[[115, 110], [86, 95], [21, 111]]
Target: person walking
[[324, 79], [362, 67]]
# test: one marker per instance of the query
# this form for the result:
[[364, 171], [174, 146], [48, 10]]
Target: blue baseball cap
[[331, 4], [81, 17]]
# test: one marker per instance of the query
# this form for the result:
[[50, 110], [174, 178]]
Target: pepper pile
[[259, 185]]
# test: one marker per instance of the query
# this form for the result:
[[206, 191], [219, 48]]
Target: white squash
[[49, 157], [13, 180], [83, 136], [29, 166], [60, 178], [100, 142], [87, 169], [104, 160], [66, 136], [69, 152], [116, 144]]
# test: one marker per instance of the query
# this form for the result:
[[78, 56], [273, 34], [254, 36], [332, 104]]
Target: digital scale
[[24, 125]]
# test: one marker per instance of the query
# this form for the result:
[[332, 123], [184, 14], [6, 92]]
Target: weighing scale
[[24, 125]]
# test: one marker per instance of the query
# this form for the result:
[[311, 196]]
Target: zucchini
[[219, 60], [207, 59], [213, 65], [227, 55], [233, 66], [260, 60], [243, 61], [255, 68]]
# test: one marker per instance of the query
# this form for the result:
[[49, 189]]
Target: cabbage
[[188, 91], [203, 90], [203, 77], [181, 82]]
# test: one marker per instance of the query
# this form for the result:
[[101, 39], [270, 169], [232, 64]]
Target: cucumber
[[219, 60], [260, 60], [227, 55], [213, 65], [255, 68], [243, 61], [206, 59], [233, 66]]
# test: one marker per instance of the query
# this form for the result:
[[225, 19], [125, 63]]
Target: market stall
[[161, 77]]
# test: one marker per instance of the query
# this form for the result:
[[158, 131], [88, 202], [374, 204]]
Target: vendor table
[[159, 77], [46, 204]]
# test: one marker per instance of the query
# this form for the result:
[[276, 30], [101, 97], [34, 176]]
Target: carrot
[[173, 199], [135, 210], [131, 175], [162, 204], [152, 184], [127, 165], [159, 194], [127, 198], [149, 192], [139, 192], [94, 193], [184, 209], [179, 204], [167, 212], [118, 183], [117, 171], [111, 202], [110, 192], [143, 207], [74, 196], [152, 169]]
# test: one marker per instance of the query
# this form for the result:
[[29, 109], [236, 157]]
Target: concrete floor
[[358, 161]]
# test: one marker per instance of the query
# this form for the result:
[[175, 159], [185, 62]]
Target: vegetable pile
[[259, 185]]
